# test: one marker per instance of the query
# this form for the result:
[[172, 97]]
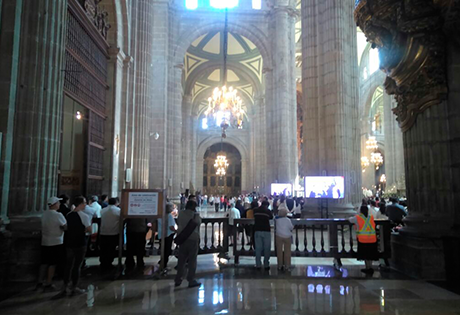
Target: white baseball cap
[[53, 200]]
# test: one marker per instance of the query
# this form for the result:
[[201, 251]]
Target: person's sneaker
[[194, 284], [177, 284], [267, 268]]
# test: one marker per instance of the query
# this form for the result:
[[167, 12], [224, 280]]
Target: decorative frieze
[[97, 14], [411, 43]]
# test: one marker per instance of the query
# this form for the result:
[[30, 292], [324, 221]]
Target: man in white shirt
[[95, 206], [233, 214], [110, 230], [52, 251]]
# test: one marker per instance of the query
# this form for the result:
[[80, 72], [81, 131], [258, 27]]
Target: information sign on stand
[[142, 203]]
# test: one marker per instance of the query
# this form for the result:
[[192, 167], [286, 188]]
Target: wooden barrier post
[[141, 204]]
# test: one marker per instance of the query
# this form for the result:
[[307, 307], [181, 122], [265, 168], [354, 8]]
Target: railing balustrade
[[334, 238]]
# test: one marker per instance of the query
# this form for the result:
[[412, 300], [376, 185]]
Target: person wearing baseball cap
[[52, 250]]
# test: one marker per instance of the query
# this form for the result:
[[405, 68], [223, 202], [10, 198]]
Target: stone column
[[175, 145], [127, 123], [113, 124], [143, 14], [158, 140], [38, 107], [330, 89], [196, 178], [187, 138], [10, 28], [282, 110], [422, 64]]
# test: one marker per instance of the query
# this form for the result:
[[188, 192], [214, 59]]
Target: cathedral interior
[[102, 96]]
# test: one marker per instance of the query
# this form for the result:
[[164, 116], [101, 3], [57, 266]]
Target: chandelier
[[221, 164], [376, 159], [371, 144], [364, 163], [225, 104], [383, 179]]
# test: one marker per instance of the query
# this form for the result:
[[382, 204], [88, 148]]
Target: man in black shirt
[[75, 243], [262, 235]]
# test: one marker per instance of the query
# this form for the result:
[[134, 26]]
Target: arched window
[[374, 60], [376, 113], [257, 4]]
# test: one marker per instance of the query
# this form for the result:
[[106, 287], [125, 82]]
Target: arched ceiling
[[204, 62]]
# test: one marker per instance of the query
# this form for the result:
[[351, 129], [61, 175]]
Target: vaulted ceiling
[[204, 67]]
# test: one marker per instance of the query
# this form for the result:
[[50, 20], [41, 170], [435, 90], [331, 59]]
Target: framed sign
[[143, 203]]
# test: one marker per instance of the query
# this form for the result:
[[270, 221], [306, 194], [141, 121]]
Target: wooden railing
[[334, 238]]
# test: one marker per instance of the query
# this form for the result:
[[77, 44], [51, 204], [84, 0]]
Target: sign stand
[[142, 204]]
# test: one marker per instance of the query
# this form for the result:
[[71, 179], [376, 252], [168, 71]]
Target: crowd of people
[[69, 230]]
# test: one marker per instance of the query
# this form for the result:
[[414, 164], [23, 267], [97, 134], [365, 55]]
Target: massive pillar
[[142, 50], [330, 89], [422, 65], [282, 140], [394, 159], [10, 27], [175, 145], [158, 131], [38, 105], [187, 138]]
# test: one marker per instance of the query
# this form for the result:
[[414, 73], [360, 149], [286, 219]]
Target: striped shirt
[[262, 217]]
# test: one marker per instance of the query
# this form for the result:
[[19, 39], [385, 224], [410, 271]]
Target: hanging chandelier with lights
[[225, 105], [371, 144], [221, 164], [376, 159]]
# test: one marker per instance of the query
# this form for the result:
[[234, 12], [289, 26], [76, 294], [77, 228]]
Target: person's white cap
[[53, 200]]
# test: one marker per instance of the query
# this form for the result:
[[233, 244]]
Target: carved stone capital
[[411, 42]]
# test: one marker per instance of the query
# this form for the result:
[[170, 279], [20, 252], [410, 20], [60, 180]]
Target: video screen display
[[332, 187], [282, 189]]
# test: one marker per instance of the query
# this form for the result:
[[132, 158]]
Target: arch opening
[[228, 185]]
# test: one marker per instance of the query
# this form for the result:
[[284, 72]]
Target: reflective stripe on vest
[[366, 229]]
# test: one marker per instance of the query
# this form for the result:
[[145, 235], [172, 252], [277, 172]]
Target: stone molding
[[411, 43]]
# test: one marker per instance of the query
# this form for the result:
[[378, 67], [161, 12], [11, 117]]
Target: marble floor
[[313, 287]]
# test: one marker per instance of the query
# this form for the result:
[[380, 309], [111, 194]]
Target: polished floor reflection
[[310, 289]]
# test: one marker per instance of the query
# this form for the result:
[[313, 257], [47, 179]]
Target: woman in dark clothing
[[240, 207]]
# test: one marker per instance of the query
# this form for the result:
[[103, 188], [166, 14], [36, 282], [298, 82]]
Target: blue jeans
[[263, 244]]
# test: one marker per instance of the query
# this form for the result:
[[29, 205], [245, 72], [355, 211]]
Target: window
[[257, 4], [205, 181], [191, 4], [229, 182], [204, 123], [221, 181], [205, 168], [223, 4], [374, 61], [237, 182], [376, 112], [213, 181]]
